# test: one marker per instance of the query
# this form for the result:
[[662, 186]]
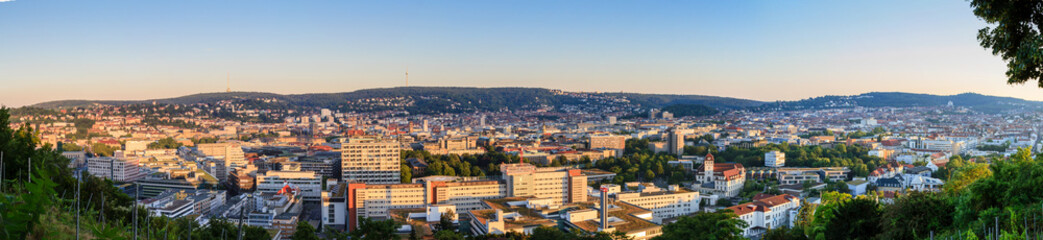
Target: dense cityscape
[[532, 171], [521, 120]]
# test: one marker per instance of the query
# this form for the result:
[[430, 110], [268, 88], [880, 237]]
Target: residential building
[[775, 159]]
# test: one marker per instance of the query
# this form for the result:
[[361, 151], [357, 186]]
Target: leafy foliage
[[704, 225], [1014, 36]]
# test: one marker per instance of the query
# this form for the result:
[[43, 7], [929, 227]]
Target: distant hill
[[977, 102], [436, 99], [468, 99]]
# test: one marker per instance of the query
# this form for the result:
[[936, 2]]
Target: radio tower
[[407, 76], [228, 82]]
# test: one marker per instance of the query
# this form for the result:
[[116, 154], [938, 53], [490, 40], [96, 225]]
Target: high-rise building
[[607, 142], [231, 152], [775, 159], [676, 141], [370, 161]]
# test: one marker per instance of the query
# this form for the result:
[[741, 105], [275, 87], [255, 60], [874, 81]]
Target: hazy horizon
[[758, 50]]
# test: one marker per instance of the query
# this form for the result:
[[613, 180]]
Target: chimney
[[604, 208]]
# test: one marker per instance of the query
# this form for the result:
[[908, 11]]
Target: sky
[[761, 50]]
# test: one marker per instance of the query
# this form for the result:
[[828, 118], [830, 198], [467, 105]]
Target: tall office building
[[121, 169], [370, 161], [676, 141], [775, 159], [607, 142], [231, 152]]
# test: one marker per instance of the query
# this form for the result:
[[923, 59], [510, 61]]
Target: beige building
[[607, 142], [231, 152], [465, 196], [370, 161], [376, 201], [561, 185], [664, 204], [309, 183]]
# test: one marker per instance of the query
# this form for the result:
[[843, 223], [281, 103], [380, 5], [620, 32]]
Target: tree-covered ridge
[[685, 110], [426, 100], [977, 102]]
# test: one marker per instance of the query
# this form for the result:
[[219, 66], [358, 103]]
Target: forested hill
[[437, 99], [974, 101], [468, 99]]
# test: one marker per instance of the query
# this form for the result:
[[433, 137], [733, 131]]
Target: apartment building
[[775, 159], [370, 161]]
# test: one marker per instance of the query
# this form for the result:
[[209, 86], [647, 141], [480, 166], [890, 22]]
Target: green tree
[[544, 232], [913, 215], [406, 174], [102, 149], [448, 235], [445, 222], [1014, 35], [717, 225], [166, 143], [304, 231], [369, 229], [855, 219]]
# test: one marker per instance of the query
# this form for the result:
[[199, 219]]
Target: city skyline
[[752, 50]]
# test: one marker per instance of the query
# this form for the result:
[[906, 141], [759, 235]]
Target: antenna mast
[[407, 76], [228, 82]]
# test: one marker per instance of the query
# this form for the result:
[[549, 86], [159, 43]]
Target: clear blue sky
[[763, 50]]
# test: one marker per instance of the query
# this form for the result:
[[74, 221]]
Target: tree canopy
[[1014, 35]]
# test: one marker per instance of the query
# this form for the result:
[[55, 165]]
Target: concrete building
[[123, 169], [232, 153], [775, 159], [675, 141], [309, 183], [563, 186], [671, 203], [370, 161], [607, 142], [465, 196], [376, 200]]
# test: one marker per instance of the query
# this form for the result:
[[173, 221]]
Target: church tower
[[708, 167]]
